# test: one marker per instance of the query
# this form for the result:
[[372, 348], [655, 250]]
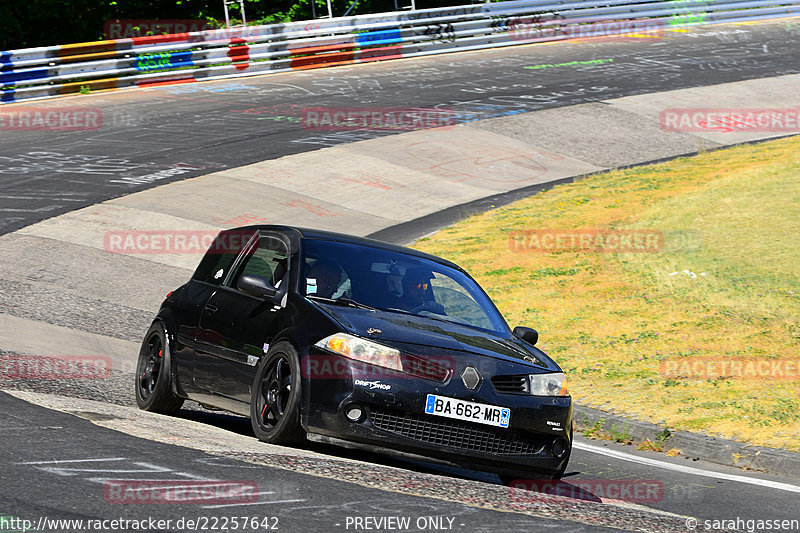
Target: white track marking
[[685, 469], [250, 503], [73, 461]]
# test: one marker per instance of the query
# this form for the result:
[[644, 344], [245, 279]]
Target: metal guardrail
[[50, 71]]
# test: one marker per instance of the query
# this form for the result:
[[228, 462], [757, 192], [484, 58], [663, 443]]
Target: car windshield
[[392, 281]]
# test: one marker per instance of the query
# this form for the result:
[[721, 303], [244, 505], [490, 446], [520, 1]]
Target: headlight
[[548, 384], [362, 350]]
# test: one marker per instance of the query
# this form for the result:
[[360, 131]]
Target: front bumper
[[387, 409]]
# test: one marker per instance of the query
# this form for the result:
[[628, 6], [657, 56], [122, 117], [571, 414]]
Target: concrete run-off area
[[68, 289]]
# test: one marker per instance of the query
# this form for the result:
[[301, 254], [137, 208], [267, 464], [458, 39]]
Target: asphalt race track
[[205, 127], [62, 445]]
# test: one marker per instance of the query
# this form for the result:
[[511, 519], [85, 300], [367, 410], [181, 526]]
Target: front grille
[[510, 384], [457, 434]]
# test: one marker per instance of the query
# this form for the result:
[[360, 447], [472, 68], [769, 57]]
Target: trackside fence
[[50, 71]]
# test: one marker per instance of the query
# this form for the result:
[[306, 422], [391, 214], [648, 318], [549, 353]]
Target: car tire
[[154, 374], [276, 397]]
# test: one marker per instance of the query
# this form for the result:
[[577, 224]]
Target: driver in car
[[417, 294]]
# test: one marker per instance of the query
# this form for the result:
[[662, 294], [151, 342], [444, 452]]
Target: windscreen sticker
[[311, 285], [218, 274]]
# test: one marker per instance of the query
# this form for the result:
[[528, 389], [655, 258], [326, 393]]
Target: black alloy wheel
[[153, 380], [275, 402]]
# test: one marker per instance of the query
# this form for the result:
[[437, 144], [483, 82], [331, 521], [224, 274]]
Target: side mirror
[[260, 288], [527, 334]]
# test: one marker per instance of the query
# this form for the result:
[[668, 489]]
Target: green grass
[[725, 285]]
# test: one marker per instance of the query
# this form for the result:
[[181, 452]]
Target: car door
[[235, 327], [191, 299]]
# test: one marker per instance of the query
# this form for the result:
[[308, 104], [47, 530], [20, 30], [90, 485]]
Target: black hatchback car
[[306, 331]]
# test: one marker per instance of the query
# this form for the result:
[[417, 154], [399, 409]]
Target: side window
[[270, 260], [220, 256]]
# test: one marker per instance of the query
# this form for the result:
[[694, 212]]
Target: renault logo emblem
[[471, 378]]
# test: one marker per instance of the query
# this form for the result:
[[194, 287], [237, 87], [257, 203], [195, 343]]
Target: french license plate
[[481, 413]]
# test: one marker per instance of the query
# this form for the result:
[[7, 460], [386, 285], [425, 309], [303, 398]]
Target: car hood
[[405, 331]]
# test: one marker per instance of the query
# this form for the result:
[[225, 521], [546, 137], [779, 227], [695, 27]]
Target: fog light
[[354, 412], [559, 448]]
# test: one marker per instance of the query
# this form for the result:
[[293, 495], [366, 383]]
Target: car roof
[[323, 235]]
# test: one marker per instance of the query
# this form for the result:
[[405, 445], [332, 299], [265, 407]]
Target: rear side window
[[220, 256]]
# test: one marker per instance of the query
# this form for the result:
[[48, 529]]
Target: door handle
[[210, 309]]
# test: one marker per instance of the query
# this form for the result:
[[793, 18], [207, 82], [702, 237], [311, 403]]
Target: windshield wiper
[[341, 301], [398, 310]]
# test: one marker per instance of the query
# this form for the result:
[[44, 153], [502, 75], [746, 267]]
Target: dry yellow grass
[[730, 218]]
